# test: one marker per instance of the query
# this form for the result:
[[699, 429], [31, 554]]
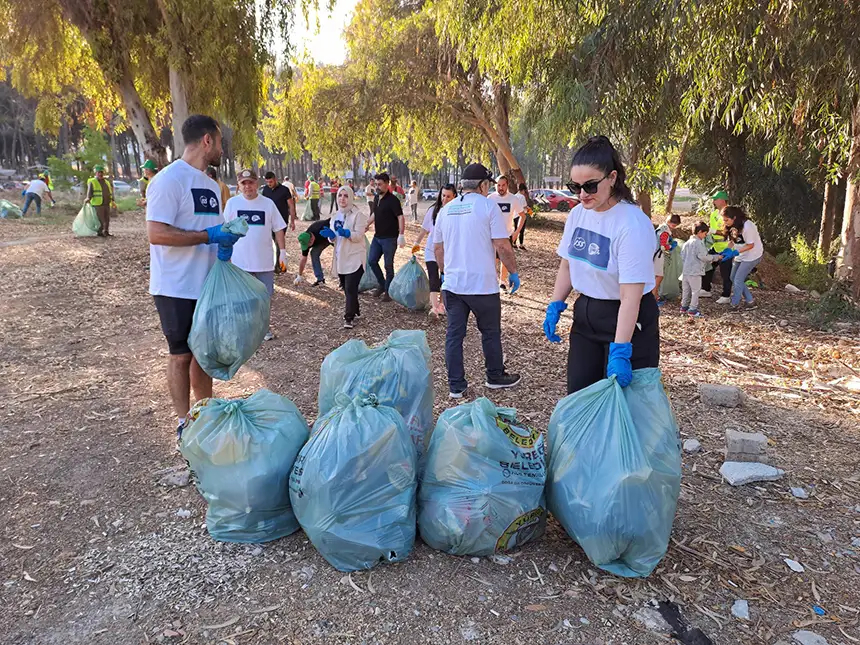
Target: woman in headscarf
[[349, 224]]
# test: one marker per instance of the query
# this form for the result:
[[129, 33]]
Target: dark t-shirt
[[319, 241], [281, 195], [386, 214]]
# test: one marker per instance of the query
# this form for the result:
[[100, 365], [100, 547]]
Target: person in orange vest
[[100, 197]]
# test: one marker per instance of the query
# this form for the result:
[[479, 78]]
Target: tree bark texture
[[848, 262], [140, 123], [828, 214], [676, 176], [179, 105]]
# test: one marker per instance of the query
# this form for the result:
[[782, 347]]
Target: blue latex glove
[[553, 315], [327, 233], [729, 254], [673, 245], [338, 225], [514, 281], [225, 251], [344, 232], [619, 363], [217, 235]]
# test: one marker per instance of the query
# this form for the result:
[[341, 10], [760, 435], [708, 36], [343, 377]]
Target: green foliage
[[94, 150], [837, 304], [808, 268], [127, 203]]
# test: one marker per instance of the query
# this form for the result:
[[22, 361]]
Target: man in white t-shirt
[[291, 186], [253, 253], [413, 199], [470, 231], [512, 206], [35, 190], [183, 218]]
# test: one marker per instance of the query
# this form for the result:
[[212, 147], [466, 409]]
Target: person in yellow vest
[[149, 169], [47, 179], [312, 192], [100, 197], [717, 244]]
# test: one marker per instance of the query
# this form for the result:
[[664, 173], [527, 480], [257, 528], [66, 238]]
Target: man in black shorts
[[183, 220]]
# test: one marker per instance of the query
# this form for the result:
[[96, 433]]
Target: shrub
[[808, 268]]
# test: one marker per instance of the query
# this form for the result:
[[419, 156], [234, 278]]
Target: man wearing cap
[[149, 169], [470, 231], [183, 220], [253, 253], [35, 190], [316, 239], [512, 206], [389, 227], [720, 198], [100, 197], [312, 192]]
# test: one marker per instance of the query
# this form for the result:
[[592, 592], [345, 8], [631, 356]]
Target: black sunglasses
[[589, 187]]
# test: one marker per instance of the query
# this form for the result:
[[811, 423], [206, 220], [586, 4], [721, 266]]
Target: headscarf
[[349, 192]]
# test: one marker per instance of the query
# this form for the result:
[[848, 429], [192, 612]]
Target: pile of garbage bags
[[482, 490], [8, 210], [241, 453], [86, 222], [231, 318], [411, 287], [398, 372], [615, 471], [353, 485]]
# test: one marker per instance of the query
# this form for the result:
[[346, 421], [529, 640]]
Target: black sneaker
[[378, 292], [348, 324], [504, 381], [385, 298], [457, 394], [318, 282]]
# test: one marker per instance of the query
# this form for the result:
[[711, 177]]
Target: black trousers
[[725, 274], [349, 282], [594, 323], [488, 314], [522, 232], [315, 209]]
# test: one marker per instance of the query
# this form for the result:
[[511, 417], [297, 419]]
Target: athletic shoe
[[522, 247], [724, 300], [269, 335], [695, 313], [684, 310], [378, 292], [457, 394], [385, 298], [503, 382], [318, 282], [347, 324], [750, 306], [357, 316], [704, 294]]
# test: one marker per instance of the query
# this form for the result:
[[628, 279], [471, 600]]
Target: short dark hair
[[674, 218], [212, 172], [701, 227], [269, 175], [197, 126], [383, 176]]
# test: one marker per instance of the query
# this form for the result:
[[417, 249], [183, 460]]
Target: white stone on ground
[[738, 473]]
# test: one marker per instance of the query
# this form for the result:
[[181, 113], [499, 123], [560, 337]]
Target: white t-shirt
[[184, 197], [608, 249], [413, 195], [292, 188], [37, 187], [427, 225], [512, 205], [370, 192], [253, 253], [751, 236], [467, 227]]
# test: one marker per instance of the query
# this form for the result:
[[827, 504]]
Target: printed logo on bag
[[522, 437], [589, 247], [521, 530], [205, 202], [254, 218]]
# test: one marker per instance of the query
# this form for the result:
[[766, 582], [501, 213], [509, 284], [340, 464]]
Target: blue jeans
[[316, 263], [382, 247], [740, 271], [32, 197]]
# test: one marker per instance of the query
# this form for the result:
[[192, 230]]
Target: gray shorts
[[267, 278]]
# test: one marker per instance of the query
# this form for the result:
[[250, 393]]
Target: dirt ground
[[93, 550]]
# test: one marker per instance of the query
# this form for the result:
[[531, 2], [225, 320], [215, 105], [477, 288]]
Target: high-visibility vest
[[315, 190], [716, 224], [97, 198], [144, 184]]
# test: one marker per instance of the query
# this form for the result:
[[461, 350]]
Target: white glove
[[283, 259], [401, 241], [298, 280]]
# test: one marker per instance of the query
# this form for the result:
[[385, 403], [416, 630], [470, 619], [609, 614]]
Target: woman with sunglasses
[[607, 253], [446, 194]]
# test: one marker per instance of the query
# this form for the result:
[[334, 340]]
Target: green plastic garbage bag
[[482, 490], [86, 223], [8, 210], [615, 471], [673, 265], [411, 287], [241, 452], [231, 318], [398, 372], [308, 213], [353, 485], [368, 279]]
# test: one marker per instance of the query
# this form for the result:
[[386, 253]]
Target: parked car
[[557, 200], [119, 187], [429, 194]]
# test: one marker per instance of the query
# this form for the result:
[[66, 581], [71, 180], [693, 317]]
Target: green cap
[[99, 168], [305, 240], [720, 193], [149, 164]]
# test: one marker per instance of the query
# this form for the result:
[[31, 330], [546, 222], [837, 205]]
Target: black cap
[[476, 171]]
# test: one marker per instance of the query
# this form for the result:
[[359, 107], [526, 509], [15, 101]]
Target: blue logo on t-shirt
[[590, 247], [205, 202], [254, 218]]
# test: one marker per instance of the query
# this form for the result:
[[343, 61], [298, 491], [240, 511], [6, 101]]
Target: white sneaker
[[269, 336], [704, 294], [724, 301]]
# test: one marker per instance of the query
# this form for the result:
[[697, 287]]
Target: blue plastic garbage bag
[[353, 485], [368, 279], [615, 471], [241, 452], [231, 318], [86, 222], [398, 372], [411, 287], [482, 490], [8, 210]]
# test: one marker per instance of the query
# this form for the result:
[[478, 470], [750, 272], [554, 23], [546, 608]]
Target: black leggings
[[522, 232], [349, 282], [594, 323], [725, 274]]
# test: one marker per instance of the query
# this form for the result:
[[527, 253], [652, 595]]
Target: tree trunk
[[179, 103], [676, 176], [138, 118], [848, 262], [828, 214], [644, 199]]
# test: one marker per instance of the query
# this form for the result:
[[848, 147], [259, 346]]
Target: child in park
[[697, 260]]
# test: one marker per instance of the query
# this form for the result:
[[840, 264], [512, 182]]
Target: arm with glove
[[560, 293], [621, 351]]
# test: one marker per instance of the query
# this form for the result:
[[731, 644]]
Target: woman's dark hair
[[738, 217], [524, 191], [599, 153], [674, 218], [437, 205]]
